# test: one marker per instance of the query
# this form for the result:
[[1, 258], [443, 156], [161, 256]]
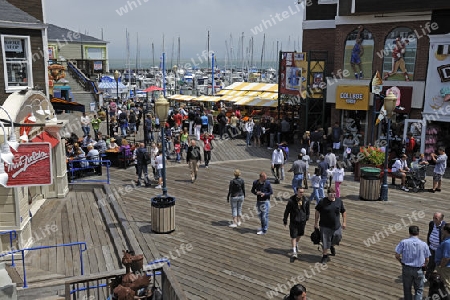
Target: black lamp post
[[389, 105], [116, 78], [162, 110]]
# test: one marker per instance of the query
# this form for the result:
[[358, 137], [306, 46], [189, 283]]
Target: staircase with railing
[[84, 90]]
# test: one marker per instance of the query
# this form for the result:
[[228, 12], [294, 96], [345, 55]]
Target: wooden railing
[[98, 286]]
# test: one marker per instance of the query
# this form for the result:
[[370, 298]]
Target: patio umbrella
[[153, 88]]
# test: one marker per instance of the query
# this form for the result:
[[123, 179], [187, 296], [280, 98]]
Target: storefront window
[[358, 53], [399, 54], [17, 62], [355, 124]]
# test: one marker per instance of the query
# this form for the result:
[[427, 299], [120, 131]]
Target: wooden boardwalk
[[213, 261]]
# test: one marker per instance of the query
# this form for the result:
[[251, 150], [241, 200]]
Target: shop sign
[[13, 45], [31, 165], [352, 97]]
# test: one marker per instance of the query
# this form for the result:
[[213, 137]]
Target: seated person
[[93, 154], [125, 148], [88, 140], [422, 161], [80, 159], [101, 145], [400, 168], [112, 144], [70, 151]]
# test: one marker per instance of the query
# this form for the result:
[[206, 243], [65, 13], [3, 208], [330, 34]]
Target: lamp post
[[116, 78], [389, 105], [162, 110]]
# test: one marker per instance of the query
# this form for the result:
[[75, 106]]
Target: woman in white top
[[338, 176]]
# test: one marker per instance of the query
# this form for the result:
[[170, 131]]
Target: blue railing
[[11, 239], [81, 245], [102, 285], [82, 79], [75, 170]]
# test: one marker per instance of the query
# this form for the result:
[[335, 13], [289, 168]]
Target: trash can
[[370, 185], [163, 214]]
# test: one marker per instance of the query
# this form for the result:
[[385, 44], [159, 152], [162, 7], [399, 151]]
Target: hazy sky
[[188, 19]]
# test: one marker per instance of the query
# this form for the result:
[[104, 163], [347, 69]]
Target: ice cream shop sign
[[352, 97], [31, 165]]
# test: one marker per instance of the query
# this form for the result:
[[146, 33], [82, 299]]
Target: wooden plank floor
[[225, 263], [213, 261]]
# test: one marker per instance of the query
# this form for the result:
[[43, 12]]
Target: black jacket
[[430, 229], [193, 153], [298, 212]]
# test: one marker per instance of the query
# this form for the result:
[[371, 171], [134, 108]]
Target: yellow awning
[[253, 94], [205, 98], [243, 100], [253, 86], [269, 95], [179, 97], [224, 92], [262, 103]]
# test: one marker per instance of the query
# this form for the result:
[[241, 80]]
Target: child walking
[[315, 181], [177, 148], [338, 177]]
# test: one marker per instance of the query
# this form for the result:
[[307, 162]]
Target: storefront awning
[[46, 137], [269, 95], [179, 97], [205, 98], [61, 104]]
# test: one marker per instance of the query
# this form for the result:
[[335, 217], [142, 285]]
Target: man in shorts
[[297, 209], [439, 168]]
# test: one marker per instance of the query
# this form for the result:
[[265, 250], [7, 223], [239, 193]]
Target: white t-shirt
[[399, 165]]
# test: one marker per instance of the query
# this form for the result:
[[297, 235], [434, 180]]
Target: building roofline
[[9, 24]]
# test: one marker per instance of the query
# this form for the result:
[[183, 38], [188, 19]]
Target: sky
[[148, 21]]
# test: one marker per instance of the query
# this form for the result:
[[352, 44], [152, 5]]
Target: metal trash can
[[370, 185], [163, 214]]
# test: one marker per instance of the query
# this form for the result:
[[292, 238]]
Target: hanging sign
[[31, 165]]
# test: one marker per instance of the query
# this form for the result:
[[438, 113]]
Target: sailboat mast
[[207, 46], [262, 55], [153, 53]]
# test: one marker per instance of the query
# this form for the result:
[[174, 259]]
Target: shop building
[[363, 37]]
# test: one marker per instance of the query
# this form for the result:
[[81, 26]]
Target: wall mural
[[399, 54], [358, 53]]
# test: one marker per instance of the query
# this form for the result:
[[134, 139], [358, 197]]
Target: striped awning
[[269, 95], [179, 97], [205, 98], [243, 100], [253, 86], [233, 99], [262, 103]]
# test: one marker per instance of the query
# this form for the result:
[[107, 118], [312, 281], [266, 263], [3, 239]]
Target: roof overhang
[[9, 24]]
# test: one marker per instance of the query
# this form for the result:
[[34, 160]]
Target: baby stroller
[[415, 179]]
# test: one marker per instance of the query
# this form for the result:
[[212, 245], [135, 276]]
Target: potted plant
[[369, 157]]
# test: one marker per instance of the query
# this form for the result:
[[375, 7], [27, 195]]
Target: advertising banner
[[352, 97], [32, 165], [293, 72]]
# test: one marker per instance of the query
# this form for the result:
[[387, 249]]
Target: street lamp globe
[[162, 108], [116, 75], [389, 104]]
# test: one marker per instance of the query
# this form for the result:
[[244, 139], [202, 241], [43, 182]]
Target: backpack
[[235, 187], [147, 158]]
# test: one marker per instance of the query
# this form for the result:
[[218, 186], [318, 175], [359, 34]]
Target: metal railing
[[11, 239], [85, 82], [74, 170], [102, 283], [82, 246]]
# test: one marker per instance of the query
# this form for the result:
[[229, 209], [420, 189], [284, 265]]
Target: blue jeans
[[315, 195], [86, 130], [249, 137], [321, 186], [296, 182], [263, 213], [412, 277], [236, 206]]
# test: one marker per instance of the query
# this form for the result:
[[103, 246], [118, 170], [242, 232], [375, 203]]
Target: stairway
[[78, 93]]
